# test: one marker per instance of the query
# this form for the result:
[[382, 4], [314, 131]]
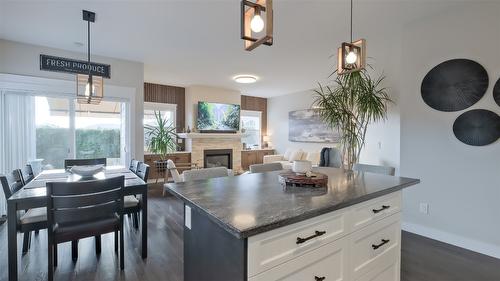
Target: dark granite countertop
[[250, 204]]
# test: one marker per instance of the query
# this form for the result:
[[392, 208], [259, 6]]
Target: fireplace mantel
[[209, 135]]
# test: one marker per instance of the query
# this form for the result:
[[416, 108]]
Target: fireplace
[[218, 158]]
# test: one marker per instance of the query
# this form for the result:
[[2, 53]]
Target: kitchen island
[[250, 227]]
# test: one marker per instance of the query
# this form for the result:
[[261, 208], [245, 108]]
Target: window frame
[[253, 113]]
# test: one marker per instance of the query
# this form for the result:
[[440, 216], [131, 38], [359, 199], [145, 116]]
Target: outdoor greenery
[[212, 116], [52, 144], [353, 102], [161, 137]]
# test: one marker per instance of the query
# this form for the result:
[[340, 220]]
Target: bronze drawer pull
[[319, 278], [384, 241], [384, 207], [316, 234]]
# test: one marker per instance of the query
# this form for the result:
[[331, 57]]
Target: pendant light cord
[[351, 21], [88, 44]]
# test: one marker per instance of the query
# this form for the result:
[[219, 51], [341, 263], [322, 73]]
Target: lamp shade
[[89, 89], [266, 138]]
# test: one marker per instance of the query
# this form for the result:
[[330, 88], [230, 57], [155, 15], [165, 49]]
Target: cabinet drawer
[[389, 273], [374, 210], [326, 263], [275, 247], [375, 246]]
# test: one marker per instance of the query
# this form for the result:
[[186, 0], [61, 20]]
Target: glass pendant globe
[[351, 57], [257, 23]]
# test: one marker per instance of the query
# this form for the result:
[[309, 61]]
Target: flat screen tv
[[218, 117]]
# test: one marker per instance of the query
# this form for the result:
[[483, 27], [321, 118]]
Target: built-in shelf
[[209, 135]]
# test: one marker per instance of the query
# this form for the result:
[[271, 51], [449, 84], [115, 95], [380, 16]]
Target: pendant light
[[252, 23], [352, 54], [89, 89]]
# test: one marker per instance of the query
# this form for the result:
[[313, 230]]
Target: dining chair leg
[[122, 249], [98, 244], [116, 241], [136, 220], [74, 250], [26, 242], [55, 255], [50, 265]]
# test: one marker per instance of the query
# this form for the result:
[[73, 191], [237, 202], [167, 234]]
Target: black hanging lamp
[[352, 54], [89, 88]]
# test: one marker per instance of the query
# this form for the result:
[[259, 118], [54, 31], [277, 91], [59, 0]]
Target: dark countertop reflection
[[250, 204]]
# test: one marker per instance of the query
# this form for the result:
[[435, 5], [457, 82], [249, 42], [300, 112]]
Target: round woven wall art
[[454, 85], [477, 127], [496, 92]]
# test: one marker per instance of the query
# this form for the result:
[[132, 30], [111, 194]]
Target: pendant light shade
[[351, 55], [256, 18], [89, 88]]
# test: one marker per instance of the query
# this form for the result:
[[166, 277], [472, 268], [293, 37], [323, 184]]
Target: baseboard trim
[[453, 239]]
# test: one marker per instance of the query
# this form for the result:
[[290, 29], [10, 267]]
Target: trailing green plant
[[162, 136], [349, 105]]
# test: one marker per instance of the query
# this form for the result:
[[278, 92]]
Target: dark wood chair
[[32, 219], [131, 203], [27, 174], [68, 163], [77, 210], [134, 165]]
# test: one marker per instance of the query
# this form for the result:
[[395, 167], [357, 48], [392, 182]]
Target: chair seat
[[34, 215], [70, 232], [130, 201]]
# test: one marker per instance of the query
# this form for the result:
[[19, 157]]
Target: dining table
[[33, 195]]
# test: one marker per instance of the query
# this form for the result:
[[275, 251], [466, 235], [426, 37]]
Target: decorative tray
[[294, 179]]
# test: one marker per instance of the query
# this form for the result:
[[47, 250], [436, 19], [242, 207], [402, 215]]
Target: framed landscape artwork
[[307, 126]]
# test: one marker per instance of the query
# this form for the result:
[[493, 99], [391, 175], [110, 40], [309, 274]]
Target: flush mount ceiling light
[[351, 55], [89, 88], [253, 14], [245, 79]]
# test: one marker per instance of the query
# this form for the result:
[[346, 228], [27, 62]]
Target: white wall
[[382, 140], [197, 93], [460, 182], [24, 59]]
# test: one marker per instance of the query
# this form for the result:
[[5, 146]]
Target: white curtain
[[17, 133]]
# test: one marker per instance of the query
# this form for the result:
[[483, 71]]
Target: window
[[51, 129], [168, 111], [251, 128]]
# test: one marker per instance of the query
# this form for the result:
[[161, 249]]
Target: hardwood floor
[[422, 259]]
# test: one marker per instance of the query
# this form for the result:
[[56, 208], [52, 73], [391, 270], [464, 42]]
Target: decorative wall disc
[[496, 92], [477, 127], [454, 85]]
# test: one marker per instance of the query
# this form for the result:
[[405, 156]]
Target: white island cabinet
[[359, 243]]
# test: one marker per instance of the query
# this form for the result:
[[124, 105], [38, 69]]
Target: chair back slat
[[27, 174], [68, 163], [134, 165], [74, 215], [74, 202], [84, 187], [11, 183], [87, 200], [143, 171]]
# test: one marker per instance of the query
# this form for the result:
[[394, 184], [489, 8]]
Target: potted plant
[[349, 105], [161, 139]]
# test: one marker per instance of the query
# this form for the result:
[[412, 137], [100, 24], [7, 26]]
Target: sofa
[[290, 155]]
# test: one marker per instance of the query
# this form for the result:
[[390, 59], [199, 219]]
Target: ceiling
[[188, 42]]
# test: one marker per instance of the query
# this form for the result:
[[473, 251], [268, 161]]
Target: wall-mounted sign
[[58, 64]]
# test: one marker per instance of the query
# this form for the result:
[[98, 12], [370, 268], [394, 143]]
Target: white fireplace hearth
[[198, 143]]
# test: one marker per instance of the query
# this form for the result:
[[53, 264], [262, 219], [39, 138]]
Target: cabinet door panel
[[325, 263]]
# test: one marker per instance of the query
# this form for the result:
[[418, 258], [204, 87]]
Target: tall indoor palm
[[162, 136], [349, 105]]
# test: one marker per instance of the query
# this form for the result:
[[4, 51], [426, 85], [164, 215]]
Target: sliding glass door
[[53, 132], [57, 128]]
